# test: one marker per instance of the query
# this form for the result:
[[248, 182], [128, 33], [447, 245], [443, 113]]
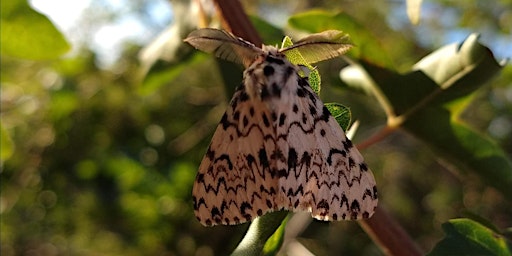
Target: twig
[[383, 133], [389, 235], [235, 20]]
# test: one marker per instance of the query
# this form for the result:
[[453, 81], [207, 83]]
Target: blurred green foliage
[[99, 160], [19, 25]]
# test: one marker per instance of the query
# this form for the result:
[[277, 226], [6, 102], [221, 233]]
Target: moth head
[[273, 51], [269, 54]]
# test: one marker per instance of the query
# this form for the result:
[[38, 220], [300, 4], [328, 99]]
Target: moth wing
[[322, 46], [223, 45], [236, 182], [325, 174]]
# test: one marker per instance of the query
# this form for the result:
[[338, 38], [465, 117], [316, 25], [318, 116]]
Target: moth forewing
[[223, 45], [277, 146], [322, 46]]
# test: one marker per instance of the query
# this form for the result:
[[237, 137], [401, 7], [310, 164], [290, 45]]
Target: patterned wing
[[335, 182], [277, 146], [320, 170], [236, 182]]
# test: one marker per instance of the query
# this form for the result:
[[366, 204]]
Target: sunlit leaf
[[275, 242], [261, 229], [295, 56], [28, 34]]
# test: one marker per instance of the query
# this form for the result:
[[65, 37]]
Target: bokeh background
[[100, 145]]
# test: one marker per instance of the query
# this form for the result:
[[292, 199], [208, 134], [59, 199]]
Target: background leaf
[[467, 237], [366, 45], [436, 92], [28, 34]]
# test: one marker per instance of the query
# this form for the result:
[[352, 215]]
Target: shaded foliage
[[102, 160]]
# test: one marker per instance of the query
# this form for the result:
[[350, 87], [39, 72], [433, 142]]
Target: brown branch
[[235, 20], [389, 235], [383, 229], [382, 134]]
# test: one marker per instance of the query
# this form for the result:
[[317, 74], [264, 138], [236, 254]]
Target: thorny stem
[[382, 227]]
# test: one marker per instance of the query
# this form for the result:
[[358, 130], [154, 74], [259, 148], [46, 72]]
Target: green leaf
[[6, 145], [28, 34], [467, 237], [396, 93], [341, 113], [446, 76], [275, 242], [458, 70], [428, 100], [259, 232], [366, 45], [458, 143], [295, 57]]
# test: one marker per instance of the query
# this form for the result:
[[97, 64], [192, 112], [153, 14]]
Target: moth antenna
[[322, 46], [223, 45]]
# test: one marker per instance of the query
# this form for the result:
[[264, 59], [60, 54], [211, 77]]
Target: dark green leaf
[[466, 237], [454, 141], [428, 100]]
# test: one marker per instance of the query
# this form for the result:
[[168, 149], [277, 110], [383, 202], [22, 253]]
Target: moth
[[277, 146]]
